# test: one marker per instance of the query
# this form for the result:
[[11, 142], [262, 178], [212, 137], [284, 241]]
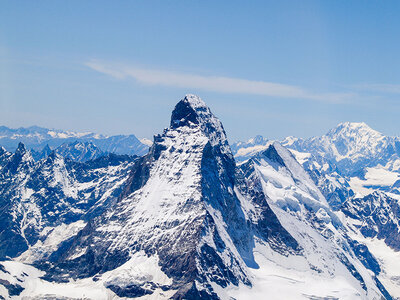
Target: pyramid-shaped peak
[[194, 101], [20, 149], [192, 111]]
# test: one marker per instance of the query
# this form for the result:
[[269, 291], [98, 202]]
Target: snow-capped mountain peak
[[79, 151], [192, 110], [359, 133], [352, 141], [185, 223]]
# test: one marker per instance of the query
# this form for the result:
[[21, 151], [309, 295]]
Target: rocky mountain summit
[[357, 170], [183, 221]]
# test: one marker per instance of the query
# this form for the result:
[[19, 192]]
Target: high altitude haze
[[266, 67]]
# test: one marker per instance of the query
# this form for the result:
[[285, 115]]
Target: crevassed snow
[[53, 237], [389, 260], [138, 269], [301, 157], [294, 198], [374, 177]]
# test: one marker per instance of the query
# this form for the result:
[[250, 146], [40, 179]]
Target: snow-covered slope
[[373, 221], [180, 208], [79, 151], [357, 169], [191, 225], [188, 224], [353, 147], [305, 213], [244, 150], [37, 197]]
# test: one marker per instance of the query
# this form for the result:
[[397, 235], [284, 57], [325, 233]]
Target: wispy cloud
[[379, 87], [213, 83]]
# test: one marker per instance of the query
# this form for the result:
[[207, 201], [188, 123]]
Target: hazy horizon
[[271, 68]]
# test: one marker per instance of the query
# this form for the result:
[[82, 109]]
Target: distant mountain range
[[357, 169], [40, 140], [196, 218]]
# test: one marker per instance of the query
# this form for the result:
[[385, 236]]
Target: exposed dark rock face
[[379, 217], [51, 192], [193, 159], [183, 220]]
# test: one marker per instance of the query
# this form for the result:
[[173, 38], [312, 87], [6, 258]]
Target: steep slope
[[373, 221], [357, 169], [210, 230], [305, 213], [14, 168], [181, 210], [38, 155], [190, 224], [37, 197], [79, 151]]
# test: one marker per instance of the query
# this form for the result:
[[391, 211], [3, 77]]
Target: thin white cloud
[[380, 87], [213, 83]]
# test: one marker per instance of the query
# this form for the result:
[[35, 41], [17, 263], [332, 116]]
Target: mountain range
[[357, 169], [196, 218], [41, 139]]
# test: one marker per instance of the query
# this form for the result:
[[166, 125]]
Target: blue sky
[[275, 68]]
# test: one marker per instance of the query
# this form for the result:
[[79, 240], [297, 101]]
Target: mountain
[[357, 170], [244, 150], [352, 146], [38, 155], [184, 223], [175, 210], [36, 138], [79, 151], [305, 213], [52, 194], [352, 157]]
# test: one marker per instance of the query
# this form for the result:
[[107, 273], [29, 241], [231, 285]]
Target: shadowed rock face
[[179, 204], [51, 192], [184, 220], [378, 216]]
